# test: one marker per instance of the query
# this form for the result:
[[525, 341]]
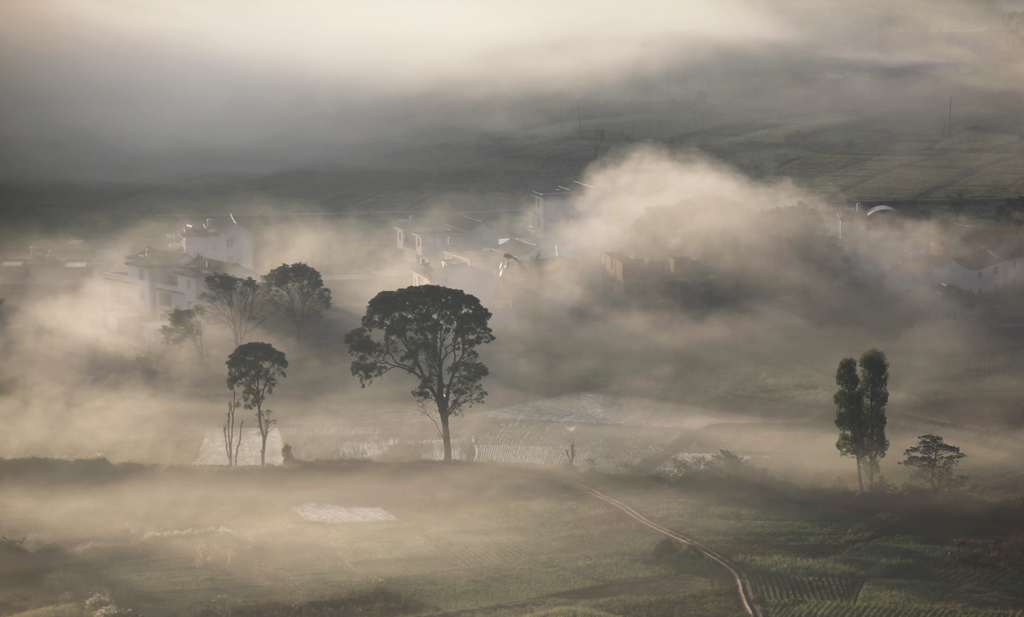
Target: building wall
[[989, 278], [234, 245]]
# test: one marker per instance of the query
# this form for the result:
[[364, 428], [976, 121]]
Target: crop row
[[850, 609], [794, 589]]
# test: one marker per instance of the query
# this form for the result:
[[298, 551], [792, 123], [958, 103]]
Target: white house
[[222, 240], [984, 270], [154, 282]]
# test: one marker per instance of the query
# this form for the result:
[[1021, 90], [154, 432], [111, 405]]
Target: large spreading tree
[[432, 333], [234, 302], [298, 292], [860, 411], [255, 369]]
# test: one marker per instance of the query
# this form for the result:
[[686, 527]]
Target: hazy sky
[[119, 88]]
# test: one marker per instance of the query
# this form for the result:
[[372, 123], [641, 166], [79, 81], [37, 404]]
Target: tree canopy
[[298, 291], [860, 411], [874, 383], [431, 333], [184, 325], [932, 460], [234, 302], [255, 368], [850, 418]]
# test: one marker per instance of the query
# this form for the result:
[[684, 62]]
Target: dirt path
[[742, 582]]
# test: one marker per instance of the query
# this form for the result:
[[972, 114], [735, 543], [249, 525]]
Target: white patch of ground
[[339, 514]]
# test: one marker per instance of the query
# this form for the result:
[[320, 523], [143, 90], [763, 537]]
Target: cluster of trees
[[427, 331], [860, 405], [295, 292]]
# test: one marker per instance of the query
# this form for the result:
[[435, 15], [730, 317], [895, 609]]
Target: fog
[[111, 90], [323, 126]]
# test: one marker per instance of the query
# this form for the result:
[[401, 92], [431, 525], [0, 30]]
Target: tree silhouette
[[933, 460], [432, 333], [256, 367], [298, 291], [237, 303]]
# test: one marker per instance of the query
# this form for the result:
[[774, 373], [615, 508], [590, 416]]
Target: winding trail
[[742, 582]]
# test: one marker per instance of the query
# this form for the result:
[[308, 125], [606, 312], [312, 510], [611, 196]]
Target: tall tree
[[256, 367], [234, 302], [850, 417], [874, 385], [432, 333], [184, 325], [933, 460], [298, 291]]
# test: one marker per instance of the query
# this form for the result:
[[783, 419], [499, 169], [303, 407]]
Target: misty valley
[[529, 309]]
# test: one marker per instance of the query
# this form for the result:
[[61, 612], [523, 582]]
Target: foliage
[[932, 460], [256, 367], [376, 602], [298, 291], [234, 302], [432, 333], [874, 382], [722, 465], [860, 411], [850, 418], [184, 325]]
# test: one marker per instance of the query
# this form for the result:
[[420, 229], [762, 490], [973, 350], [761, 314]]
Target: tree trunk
[[263, 435], [860, 478], [446, 437]]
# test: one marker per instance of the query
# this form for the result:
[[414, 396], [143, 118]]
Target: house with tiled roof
[[153, 282]]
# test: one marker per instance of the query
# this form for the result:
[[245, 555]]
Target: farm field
[[477, 539]]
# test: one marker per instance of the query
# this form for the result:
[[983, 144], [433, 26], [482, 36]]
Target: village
[[900, 247]]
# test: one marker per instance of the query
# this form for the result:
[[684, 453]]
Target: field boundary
[[743, 585]]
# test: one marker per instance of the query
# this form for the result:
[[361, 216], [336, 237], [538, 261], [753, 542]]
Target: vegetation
[[298, 292], [255, 368], [860, 411], [233, 302], [932, 460], [432, 333], [184, 325]]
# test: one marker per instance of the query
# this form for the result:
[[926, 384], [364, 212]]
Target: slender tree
[[184, 325], [850, 417], [298, 292], [432, 333], [234, 302], [933, 460], [874, 384], [256, 367], [231, 445]]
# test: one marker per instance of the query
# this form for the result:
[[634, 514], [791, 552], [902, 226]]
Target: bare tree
[[230, 444]]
